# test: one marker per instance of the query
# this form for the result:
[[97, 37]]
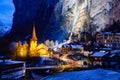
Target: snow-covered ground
[[96, 74], [6, 15]]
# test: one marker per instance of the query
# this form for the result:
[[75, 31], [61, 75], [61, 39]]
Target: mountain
[[29, 12], [6, 16], [3, 29], [89, 15], [57, 19]]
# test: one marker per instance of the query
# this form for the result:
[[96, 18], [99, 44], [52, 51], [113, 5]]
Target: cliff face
[[79, 15], [29, 12], [56, 19], [89, 14], [6, 16], [106, 14], [3, 29]]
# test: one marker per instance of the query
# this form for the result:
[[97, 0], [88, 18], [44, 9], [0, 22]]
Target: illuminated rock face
[[79, 14], [56, 19]]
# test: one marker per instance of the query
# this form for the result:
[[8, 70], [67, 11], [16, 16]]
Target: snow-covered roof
[[68, 44], [115, 51], [99, 54], [96, 74], [110, 33], [76, 46], [117, 33], [73, 45], [106, 32], [112, 55], [106, 48], [11, 61]]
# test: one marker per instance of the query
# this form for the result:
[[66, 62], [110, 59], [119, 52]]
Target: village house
[[108, 39], [71, 48], [105, 59]]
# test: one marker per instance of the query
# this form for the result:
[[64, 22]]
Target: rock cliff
[[57, 19]]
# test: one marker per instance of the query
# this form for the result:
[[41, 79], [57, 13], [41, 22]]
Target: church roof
[[34, 37]]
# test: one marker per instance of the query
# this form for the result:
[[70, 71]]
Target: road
[[73, 63], [43, 67]]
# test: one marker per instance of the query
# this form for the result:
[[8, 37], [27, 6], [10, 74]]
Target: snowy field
[[97, 74]]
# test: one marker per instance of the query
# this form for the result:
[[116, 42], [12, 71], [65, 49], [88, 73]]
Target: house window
[[105, 41], [95, 58], [100, 58]]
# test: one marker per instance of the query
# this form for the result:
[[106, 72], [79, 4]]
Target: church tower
[[34, 38], [33, 43]]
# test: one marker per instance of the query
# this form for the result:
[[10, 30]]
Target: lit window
[[105, 41], [95, 58]]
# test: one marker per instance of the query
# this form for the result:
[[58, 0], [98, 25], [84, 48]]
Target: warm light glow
[[23, 50], [33, 43], [43, 53], [42, 46], [43, 50], [33, 48], [105, 41]]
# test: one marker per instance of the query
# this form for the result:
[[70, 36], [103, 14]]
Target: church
[[32, 49]]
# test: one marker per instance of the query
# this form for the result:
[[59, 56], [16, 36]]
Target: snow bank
[[97, 74]]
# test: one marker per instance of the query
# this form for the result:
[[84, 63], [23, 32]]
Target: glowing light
[[40, 46], [22, 50], [43, 53]]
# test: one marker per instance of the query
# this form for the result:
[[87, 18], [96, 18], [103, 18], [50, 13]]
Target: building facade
[[108, 39]]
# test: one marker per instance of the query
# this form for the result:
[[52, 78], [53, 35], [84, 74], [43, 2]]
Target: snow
[[73, 45], [106, 32], [112, 55], [76, 46], [9, 61], [6, 15], [110, 33], [99, 54], [113, 63], [106, 48], [6, 11], [117, 33], [96, 74]]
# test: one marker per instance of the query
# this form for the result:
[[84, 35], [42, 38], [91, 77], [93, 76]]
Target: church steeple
[[34, 37], [33, 43]]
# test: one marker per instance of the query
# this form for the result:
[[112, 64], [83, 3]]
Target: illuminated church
[[32, 49]]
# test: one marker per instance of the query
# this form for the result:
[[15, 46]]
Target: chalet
[[99, 58], [105, 59], [106, 49], [75, 48]]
